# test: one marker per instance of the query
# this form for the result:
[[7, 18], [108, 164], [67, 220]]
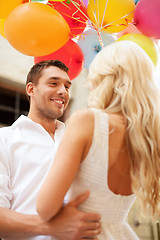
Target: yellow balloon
[[2, 21], [144, 42], [111, 16], [6, 6]]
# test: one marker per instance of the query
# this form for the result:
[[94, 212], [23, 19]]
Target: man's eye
[[67, 87], [53, 83]]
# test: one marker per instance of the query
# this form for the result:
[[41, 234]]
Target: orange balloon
[[6, 6], [36, 29]]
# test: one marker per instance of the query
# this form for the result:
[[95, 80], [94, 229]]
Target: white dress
[[92, 176]]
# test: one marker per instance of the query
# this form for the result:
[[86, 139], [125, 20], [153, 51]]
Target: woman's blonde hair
[[121, 76]]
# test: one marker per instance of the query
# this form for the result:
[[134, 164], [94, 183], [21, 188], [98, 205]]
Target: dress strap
[[100, 135], [101, 122]]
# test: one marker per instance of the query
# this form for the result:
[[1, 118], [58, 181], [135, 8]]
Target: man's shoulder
[[9, 130], [5, 133], [5, 130]]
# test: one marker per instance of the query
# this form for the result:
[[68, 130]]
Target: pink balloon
[[147, 17], [70, 54], [131, 28], [85, 2]]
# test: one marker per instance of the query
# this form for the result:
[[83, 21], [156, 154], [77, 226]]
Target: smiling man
[[49, 93], [27, 149]]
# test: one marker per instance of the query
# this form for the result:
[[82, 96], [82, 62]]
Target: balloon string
[[75, 18], [123, 24], [98, 13], [75, 4], [95, 18], [100, 38], [126, 20], [94, 25], [78, 9], [82, 36], [67, 6], [104, 13]]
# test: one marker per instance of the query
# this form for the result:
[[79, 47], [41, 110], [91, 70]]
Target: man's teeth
[[59, 101]]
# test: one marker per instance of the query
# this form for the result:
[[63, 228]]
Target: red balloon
[[70, 54], [74, 12]]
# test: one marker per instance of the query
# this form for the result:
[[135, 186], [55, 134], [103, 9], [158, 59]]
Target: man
[[27, 149]]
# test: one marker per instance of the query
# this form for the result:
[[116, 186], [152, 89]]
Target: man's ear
[[29, 89]]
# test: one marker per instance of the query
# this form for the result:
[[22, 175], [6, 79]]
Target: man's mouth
[[59, 102]]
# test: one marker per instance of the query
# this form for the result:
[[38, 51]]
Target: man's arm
[[14, 224], [68, 224]]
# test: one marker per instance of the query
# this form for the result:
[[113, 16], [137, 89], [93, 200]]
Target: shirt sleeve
[[5, 192]]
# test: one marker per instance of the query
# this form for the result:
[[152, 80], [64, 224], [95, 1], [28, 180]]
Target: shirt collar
[[24, 121]]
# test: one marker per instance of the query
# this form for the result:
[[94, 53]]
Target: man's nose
[[62, 90]]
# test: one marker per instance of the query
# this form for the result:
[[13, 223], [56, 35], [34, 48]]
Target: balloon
[[147, 17], [74, 12], [35, 29], [131, 28], [144, 42], [70, 54], [2, 21], [111, 15], [90, 45], [6, 6], [40, 1], [85, 2], [136, 1]]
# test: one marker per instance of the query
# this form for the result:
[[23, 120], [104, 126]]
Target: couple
[[110, 149]]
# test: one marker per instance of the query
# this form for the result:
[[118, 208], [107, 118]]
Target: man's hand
[[68, 224], [72, 224]]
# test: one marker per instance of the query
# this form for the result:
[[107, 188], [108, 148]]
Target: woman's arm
[[72, 150]]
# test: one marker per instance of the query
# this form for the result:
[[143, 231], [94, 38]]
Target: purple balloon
[[147, 17], [85, 2]]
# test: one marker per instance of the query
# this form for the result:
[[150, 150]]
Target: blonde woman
[[113, 148]]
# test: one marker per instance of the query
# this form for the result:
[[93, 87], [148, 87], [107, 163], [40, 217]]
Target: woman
[[113, 148]]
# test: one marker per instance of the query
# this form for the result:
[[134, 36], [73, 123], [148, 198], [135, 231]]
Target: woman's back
[[105, 173], [119, 180]]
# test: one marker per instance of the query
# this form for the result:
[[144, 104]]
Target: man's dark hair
[[36, 71]]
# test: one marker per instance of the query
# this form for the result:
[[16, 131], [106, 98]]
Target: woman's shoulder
[[81, 122], [82, 115]]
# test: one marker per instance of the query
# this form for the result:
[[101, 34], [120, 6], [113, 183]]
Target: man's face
[[51, 94]]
